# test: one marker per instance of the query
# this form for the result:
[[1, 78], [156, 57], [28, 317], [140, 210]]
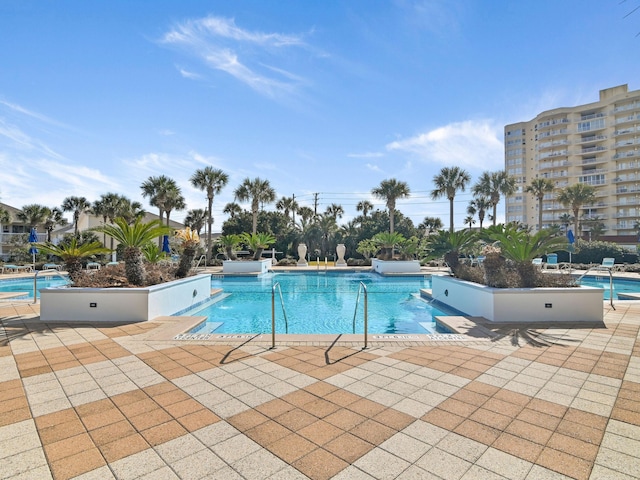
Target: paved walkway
[[110, 402]]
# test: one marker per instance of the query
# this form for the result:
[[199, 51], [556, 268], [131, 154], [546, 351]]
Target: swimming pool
[[619, 285], [320, 303], [26, 285]]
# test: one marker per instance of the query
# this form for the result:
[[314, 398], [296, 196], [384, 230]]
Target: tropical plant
[[306, 213], [189, 244], [469, 220], [257, 191], [195, 219], [257, 242], [492, 185], [390, 191], [33, 215], [54, 218], [521, 247], [77, 205], [408, 249], [286, 205], [230, 243], [367, 248], [450, 245], [335, 210], [364, 206], [133, 238], [158, 189], [386, 242], [232, 209], [174, 201], [538, 188], [479, 206], [212, 181], [448, 182], [574, 197], [5, 216], [327, 227], [153, 253], [73, 253], [430, 225]]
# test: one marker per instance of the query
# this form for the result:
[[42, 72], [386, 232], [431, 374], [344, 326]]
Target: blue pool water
[[320, 303], [619, 285], [26, 284]]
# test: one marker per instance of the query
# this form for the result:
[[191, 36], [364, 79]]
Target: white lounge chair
[[552, 261], [608, 264], [537, 262]]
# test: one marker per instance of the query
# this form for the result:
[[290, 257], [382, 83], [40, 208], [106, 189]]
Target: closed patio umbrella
[[33, 238], [165, 244]]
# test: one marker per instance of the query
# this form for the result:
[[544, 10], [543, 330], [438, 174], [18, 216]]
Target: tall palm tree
[[327, 227], [54, 218], [389, 191], [130, 211], [77, 205], [306, 213], [286, 205], [133, 238], [257, 191], [335, 210], [492, 185], [469, 220], [33, 215], [538, 188], [479, 206], [364, 206], [157, 188], [212, 181], [574, 197], [430, 224], [73, 253], [448, 182], [173, 201], [196, 219], [232, 209], [5, 216]]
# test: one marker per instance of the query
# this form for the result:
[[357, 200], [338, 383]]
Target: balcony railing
[[6, 237]]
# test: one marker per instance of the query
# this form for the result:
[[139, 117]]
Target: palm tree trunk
[[255, 219], [209, 223], [540, 199], [391, 222]]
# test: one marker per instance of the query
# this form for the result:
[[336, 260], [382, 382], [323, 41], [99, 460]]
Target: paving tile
[[320, 465]]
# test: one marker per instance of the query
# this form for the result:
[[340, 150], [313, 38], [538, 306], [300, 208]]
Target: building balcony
[[628, 118], [595, 148], [592, 138], [626, 131], [622, 189], [635, 165], [630, 153], [627, 178], [626, 215]]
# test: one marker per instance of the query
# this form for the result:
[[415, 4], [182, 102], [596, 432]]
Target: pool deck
[[527, 402]]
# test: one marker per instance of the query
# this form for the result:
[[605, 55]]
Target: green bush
[[594, 252]]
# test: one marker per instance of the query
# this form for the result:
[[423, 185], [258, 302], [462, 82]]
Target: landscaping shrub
[[594, 252]]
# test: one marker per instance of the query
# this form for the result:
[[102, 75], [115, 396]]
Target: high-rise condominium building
[[596, 144]]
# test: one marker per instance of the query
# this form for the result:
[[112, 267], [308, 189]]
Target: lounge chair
[[537, 262], [552, 262], [16, 268], [51, 266], [608, 264], [93, 266]]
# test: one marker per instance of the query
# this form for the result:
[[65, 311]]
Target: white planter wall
[[123, 304], [577, 304], [395, 266], [246, 266]]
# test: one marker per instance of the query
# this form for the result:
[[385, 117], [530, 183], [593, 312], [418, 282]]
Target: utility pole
[[315, 204], [294, 209]]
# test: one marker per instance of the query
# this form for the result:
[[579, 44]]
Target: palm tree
[[286, 205], [335, 210], [133, 238], [565, 219], [469, 220], [364, 206], [72, 254], [430, 224], [157, 188], [306, 213], [196, 219], [77, 205], [257, 191], [538, 188], [391, 190], [327, 227], [492, 185], [54, 218], [173, 201], [130, 211], [33, 215], [212, 181], [5, 216], [574, 197], [479, 206], [232, 209], [448, 182]]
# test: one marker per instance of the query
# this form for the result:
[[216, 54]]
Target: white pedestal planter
[[341, 250], [123, 304], [395, 266], [571, 304], [246, 266], [302, 255]]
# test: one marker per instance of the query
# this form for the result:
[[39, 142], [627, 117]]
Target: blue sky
[[327, 97]]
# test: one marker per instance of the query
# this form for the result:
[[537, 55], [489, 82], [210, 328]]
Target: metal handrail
[[600, 267], [35, 281], [273, 313], [362, 287], [199, 260]]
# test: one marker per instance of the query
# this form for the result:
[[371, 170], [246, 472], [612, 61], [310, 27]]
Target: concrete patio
[[529, 402]]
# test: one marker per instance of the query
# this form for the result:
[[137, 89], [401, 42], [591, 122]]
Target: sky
[[328, 97]]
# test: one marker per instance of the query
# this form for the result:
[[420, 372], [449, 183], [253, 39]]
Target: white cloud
[[471, 144], [188, 74], [373, 167], [366, 155], [219, 43]]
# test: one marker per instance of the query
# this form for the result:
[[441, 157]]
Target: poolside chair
[[16, 268], [552, 261], [51, 266], [93, 266], [608, 264], [537, 262]]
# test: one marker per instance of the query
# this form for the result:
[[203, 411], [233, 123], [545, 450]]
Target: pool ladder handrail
[[273, 313], [362, 288], [202, 257], [35, 281], [599, 267]]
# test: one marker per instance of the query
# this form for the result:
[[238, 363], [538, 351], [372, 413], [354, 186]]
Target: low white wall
[[395, 266], [577, 304], [123, 304], [246, 266]]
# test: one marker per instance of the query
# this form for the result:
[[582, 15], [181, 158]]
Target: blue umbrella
[[165, 244], [33, 238]]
